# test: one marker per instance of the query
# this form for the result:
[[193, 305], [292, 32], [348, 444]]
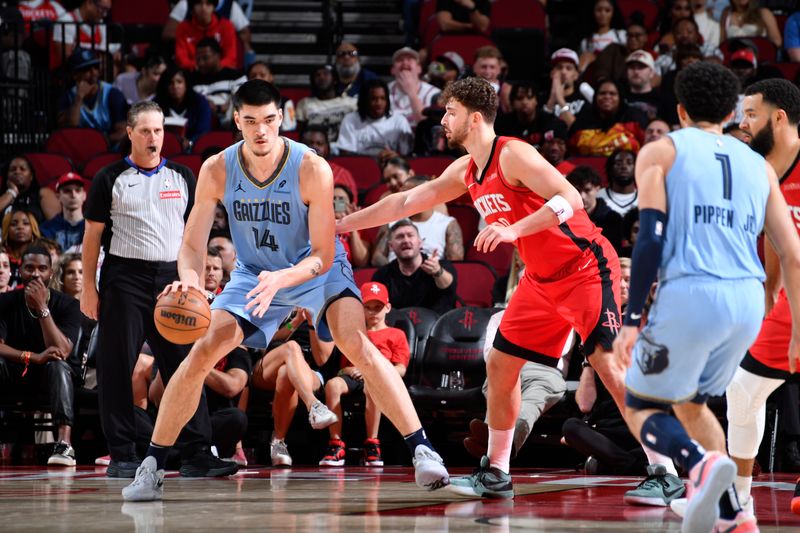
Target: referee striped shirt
[[144, 211]]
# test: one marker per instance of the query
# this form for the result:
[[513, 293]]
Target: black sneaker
[[123, 469], [485, 482], [204, 464]]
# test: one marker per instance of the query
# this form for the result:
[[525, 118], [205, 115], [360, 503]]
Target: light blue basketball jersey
[[717, 192], [268, 221]]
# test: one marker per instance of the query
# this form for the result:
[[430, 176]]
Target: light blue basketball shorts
[[697, 333], [314, 295]]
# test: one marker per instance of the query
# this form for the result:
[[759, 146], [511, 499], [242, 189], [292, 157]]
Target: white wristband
[[561, 208]]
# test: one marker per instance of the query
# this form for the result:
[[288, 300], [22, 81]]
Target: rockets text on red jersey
[[790, 187]]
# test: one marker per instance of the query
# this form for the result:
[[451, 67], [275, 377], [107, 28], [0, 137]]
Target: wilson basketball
[[182, 317]]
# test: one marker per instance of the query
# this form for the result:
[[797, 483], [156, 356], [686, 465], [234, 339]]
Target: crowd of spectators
[[589, 114]]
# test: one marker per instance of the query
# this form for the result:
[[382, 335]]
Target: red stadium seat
[[79, 144], [149, 12], [646, 8], [222, 139], [295, 94], [364, 169], [499, 259], [429, 30], [374, 194], [426, 11], [49, 167], [788, 70], [172, 144], [193, 161], [363, 275], [475, 282], [463, 45], [596, 162], [468, 218], [518, 14], [293, 135], [98, 162], [430, 166]]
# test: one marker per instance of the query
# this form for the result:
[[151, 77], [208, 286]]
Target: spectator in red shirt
[[204, 23], [393, 344]]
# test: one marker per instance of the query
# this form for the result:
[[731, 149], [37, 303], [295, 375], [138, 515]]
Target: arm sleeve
[[98, 203], [645, 262]]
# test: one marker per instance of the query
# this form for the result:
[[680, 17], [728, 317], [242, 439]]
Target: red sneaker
[[796, 498], [372, 453], [335, 454]]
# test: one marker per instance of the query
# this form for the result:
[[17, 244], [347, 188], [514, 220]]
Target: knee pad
[[746, 413]]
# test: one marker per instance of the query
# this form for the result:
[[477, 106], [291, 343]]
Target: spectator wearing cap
[[91, 102], [744, 64], [463, 16], [524, 121], [791, 37], [445, 69], [393, 345], [225, 9], [349, 72], [587, 181], [375, 129], [640, 71], [408, 94], [554, 147], [66, 228], [565, 100], [324, 108], [611, 62], [204, 23]]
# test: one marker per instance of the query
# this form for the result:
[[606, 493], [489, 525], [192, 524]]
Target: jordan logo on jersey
[[239, 187], [490, 204]]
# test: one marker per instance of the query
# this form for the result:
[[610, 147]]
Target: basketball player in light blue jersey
[[703, 200], [279, 199]]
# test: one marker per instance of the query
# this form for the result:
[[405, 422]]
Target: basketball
[[182, 317]]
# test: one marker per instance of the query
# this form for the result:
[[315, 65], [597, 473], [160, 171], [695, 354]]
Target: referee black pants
[[128, 291]]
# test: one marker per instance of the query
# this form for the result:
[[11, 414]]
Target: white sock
[[500, 442], [655, 458], [743, 485]]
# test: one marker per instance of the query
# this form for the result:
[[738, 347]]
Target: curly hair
[[781, 93], [708, 91], [364, 94], [476, 94]]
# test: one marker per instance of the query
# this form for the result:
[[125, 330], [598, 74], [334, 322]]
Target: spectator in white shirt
[[408, 94], [374, 128]]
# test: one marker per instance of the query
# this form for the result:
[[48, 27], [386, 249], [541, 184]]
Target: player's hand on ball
[[623, 344], [180, 286], [263, 293], [492, 235]]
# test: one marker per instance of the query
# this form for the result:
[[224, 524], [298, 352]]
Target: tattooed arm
[[454, 242]]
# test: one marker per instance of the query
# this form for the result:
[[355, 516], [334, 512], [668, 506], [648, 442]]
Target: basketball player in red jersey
[[571, 277], [771, 117]]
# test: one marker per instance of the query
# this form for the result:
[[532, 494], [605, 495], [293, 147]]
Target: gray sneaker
[[148, 485], [321, 417], [279, 453], [658, 489], [485, 482], [429, 470], [63, 455]]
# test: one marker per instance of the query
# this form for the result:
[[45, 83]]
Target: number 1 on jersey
[[265, 240], [725, 161]]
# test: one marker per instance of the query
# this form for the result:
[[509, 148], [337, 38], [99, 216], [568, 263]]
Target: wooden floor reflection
[[350, 500]]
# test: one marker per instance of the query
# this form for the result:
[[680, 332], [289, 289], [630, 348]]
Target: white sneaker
[[148, 485], [63, 455], [320, 417], [279, 453], [429, 470]]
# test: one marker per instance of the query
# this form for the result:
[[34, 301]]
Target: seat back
[[474, 283], [644, 10], [49, 167], [98, 162], [365, 170], [78, 144], [403, 323], [456, 343], [363, 275], [463, 45], [422, 319], [499, 259], [430, 165], [468, 219], [172, 145], [193, 161], [518, 14], [222, 139], [149, 12]]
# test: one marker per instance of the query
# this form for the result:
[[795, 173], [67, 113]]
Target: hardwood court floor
[[349, 500]]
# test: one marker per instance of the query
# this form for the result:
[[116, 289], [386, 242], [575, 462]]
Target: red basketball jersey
[[790, 187], [545, 253]]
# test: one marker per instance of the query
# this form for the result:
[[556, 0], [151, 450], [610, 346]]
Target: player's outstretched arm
[[784, 239], [191, 257], [523, 166], [448, 186]]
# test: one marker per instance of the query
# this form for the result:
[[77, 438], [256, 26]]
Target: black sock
[[159, 453], [729, 504], [415, 439]]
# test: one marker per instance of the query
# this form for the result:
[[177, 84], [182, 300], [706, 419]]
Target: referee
[[136, 209]]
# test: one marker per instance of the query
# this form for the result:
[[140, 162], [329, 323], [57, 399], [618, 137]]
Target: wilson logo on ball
[[179, 319]]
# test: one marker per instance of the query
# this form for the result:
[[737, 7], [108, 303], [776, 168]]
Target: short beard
[[764, 141], [457, 138], [348, 72]]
